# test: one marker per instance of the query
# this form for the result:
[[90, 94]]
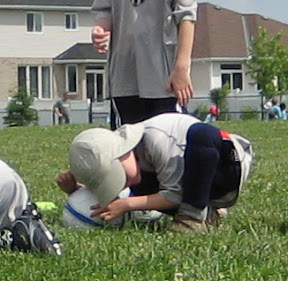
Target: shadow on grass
[[283, 227]]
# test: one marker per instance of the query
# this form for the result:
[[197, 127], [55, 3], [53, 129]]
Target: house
[[46, 48], [222, 42], [33, 34]]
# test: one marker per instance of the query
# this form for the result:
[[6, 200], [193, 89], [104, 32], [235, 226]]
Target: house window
[[22, 85], [35, 80], [71, 78], [34, 22], [46, 82], [233, 75], [95, 83], [71, 21]]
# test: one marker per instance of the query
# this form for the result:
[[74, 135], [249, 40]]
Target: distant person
[[21, 225], [274, 112], [283, 111], [212, 115], [62, 109]]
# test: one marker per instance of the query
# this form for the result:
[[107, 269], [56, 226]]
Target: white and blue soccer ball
[[76, 212]]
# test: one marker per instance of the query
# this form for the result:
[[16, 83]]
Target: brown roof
[[254, 21], [224, 33]]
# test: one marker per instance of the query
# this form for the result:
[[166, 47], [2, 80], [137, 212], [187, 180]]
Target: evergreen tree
[[19, 111]]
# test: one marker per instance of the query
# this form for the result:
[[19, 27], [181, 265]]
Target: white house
[[45, 48], [33, 34]]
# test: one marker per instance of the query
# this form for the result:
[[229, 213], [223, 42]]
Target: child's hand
[[180, 83], [112, 211], [67, 182], [100, 39]]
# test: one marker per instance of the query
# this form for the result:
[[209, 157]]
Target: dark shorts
[[134, 109], [211, 171]]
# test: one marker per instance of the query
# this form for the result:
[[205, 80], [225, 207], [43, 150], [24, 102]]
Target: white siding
[[201, 79], [15, 41]]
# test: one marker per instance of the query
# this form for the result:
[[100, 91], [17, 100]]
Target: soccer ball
[[76, 212]]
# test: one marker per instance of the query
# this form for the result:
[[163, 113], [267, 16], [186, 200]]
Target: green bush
[[200, 112], [249, 113], [218, 96], [19, 111]]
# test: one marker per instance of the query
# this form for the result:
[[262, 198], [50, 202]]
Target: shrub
[[19, 111], [249, 113], [218, 96], [200, 112]]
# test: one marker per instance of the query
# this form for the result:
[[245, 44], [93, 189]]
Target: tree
[[19, 111], [268, 64]]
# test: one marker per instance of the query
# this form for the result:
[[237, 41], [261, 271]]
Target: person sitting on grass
[[274, 112], [21, 225], [213, 114], [283, 111], [198, 168]]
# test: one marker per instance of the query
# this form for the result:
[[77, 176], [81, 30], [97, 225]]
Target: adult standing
[[62, 108], [149, 61]]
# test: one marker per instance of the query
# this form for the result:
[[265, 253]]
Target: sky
[[275, 9]]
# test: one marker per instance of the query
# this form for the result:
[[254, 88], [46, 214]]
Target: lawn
[[251, 244]]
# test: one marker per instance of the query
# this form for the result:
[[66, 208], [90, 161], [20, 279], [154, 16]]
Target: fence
[[238, 107], [83, 112]]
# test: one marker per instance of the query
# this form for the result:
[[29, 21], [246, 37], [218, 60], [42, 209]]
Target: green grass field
[[251, 243]]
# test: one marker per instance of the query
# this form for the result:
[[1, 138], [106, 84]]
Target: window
[[22, 78], [71, 78], [36, 80], [34, 22], [71, 21], [95, 83], [233, 75], [46, 82]]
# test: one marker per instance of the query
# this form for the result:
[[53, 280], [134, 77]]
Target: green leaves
[[19, 111], [268, 63]]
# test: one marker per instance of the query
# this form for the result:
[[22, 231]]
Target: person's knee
[[203, 134]]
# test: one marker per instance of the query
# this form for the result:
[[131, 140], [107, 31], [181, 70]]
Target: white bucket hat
[[94, 159], [245, 154]]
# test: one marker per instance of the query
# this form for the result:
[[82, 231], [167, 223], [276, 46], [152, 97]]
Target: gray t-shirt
[[63, 106], [143, 43], [162, 150]]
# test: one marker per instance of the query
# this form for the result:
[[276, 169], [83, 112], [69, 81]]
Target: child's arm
[[179, 80], [147, 202]]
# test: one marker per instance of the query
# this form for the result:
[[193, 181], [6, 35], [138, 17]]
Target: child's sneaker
[[31, 234], [216, 215], [183, 223], [6, 238]]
